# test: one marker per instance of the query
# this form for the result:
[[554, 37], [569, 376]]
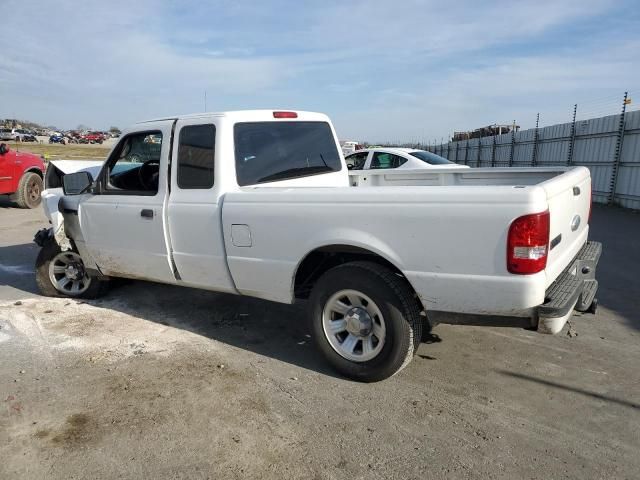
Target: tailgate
[[569, 200]]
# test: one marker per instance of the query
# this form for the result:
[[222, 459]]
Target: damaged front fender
[[51, 201]]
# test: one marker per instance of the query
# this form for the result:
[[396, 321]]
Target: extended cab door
[[122, 222], [194, 208]]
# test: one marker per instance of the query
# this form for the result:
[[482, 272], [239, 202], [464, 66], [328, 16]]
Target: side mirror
[[3, 148], [76, 183]]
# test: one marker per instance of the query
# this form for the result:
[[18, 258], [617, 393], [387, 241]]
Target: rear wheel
[[29, 189], [62, 274], [365, 320]]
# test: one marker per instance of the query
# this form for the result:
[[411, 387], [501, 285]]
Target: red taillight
[[528, 244], [285, 115]]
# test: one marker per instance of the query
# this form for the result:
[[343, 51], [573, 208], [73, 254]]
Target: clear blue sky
[[383, 70]]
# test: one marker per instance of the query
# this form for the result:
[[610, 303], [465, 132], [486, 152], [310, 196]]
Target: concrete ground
[[162, 382]]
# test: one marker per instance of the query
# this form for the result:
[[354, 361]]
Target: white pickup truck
[[261, 203]]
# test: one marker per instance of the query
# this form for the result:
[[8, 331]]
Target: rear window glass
[[430, 158], [271, 151]]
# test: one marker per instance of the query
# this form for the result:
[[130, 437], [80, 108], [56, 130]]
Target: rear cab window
[[196, 153], [271, 151]]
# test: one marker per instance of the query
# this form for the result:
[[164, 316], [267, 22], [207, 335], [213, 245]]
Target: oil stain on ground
[[77, 429]]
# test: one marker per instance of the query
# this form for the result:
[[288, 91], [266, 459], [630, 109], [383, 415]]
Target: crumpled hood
[[72, 166]]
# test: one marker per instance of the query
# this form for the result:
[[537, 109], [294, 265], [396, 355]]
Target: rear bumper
[[575, 288]]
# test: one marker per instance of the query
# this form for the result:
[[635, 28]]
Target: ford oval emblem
[[575, 223]]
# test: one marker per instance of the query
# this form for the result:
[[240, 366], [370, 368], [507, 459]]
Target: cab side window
[[134, 167], [196, 153], [356, 161]]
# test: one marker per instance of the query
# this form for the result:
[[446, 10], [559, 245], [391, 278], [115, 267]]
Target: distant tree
[[82, 127]]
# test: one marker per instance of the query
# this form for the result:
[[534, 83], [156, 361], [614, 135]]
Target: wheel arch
[[321, 259], [34, 170]]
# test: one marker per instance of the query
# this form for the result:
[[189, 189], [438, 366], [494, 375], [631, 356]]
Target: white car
[[19, 134], [260, 203], [404, 158]]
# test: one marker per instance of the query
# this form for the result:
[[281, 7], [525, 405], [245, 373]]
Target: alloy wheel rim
[[353, 325], [68, 275]]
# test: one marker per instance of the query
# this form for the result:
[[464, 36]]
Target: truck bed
[[446, 231]]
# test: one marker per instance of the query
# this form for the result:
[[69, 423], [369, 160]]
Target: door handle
[[146, 213]]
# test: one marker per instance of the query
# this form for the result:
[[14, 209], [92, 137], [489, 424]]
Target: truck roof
[[245, 115]]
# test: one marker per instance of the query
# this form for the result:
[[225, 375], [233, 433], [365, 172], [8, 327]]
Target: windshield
[[269, 151], [430, 158]]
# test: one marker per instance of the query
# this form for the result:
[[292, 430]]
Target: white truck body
[[444, 230]]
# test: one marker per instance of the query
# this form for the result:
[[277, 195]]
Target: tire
[[390, 308], [49, 254], [29, 190]]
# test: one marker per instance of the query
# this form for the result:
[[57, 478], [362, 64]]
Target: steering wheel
[[148, 174]]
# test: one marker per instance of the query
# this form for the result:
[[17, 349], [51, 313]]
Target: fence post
[[457, 150], [466, 152], [618, 151], [534, 153], [573, 136], [513, 144], [479, 147], [493, 152]]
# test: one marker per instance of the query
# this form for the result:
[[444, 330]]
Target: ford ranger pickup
[[261, 203]]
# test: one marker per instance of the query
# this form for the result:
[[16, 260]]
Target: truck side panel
[[443, 241]]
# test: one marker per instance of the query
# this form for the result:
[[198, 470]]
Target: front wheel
[[62, 274], [29, 190], [365, 320]]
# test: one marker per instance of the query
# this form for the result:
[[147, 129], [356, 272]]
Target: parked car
[[29, 138], [58, 138], [6, 134], [93, 137], [21, 176], [260, 203], [396, 157], [350, 147], [23, 135]]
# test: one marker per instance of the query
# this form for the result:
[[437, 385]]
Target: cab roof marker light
[[285, 115]]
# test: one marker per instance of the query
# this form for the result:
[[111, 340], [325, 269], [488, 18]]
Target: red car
[[93, 137], [21, 176]]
